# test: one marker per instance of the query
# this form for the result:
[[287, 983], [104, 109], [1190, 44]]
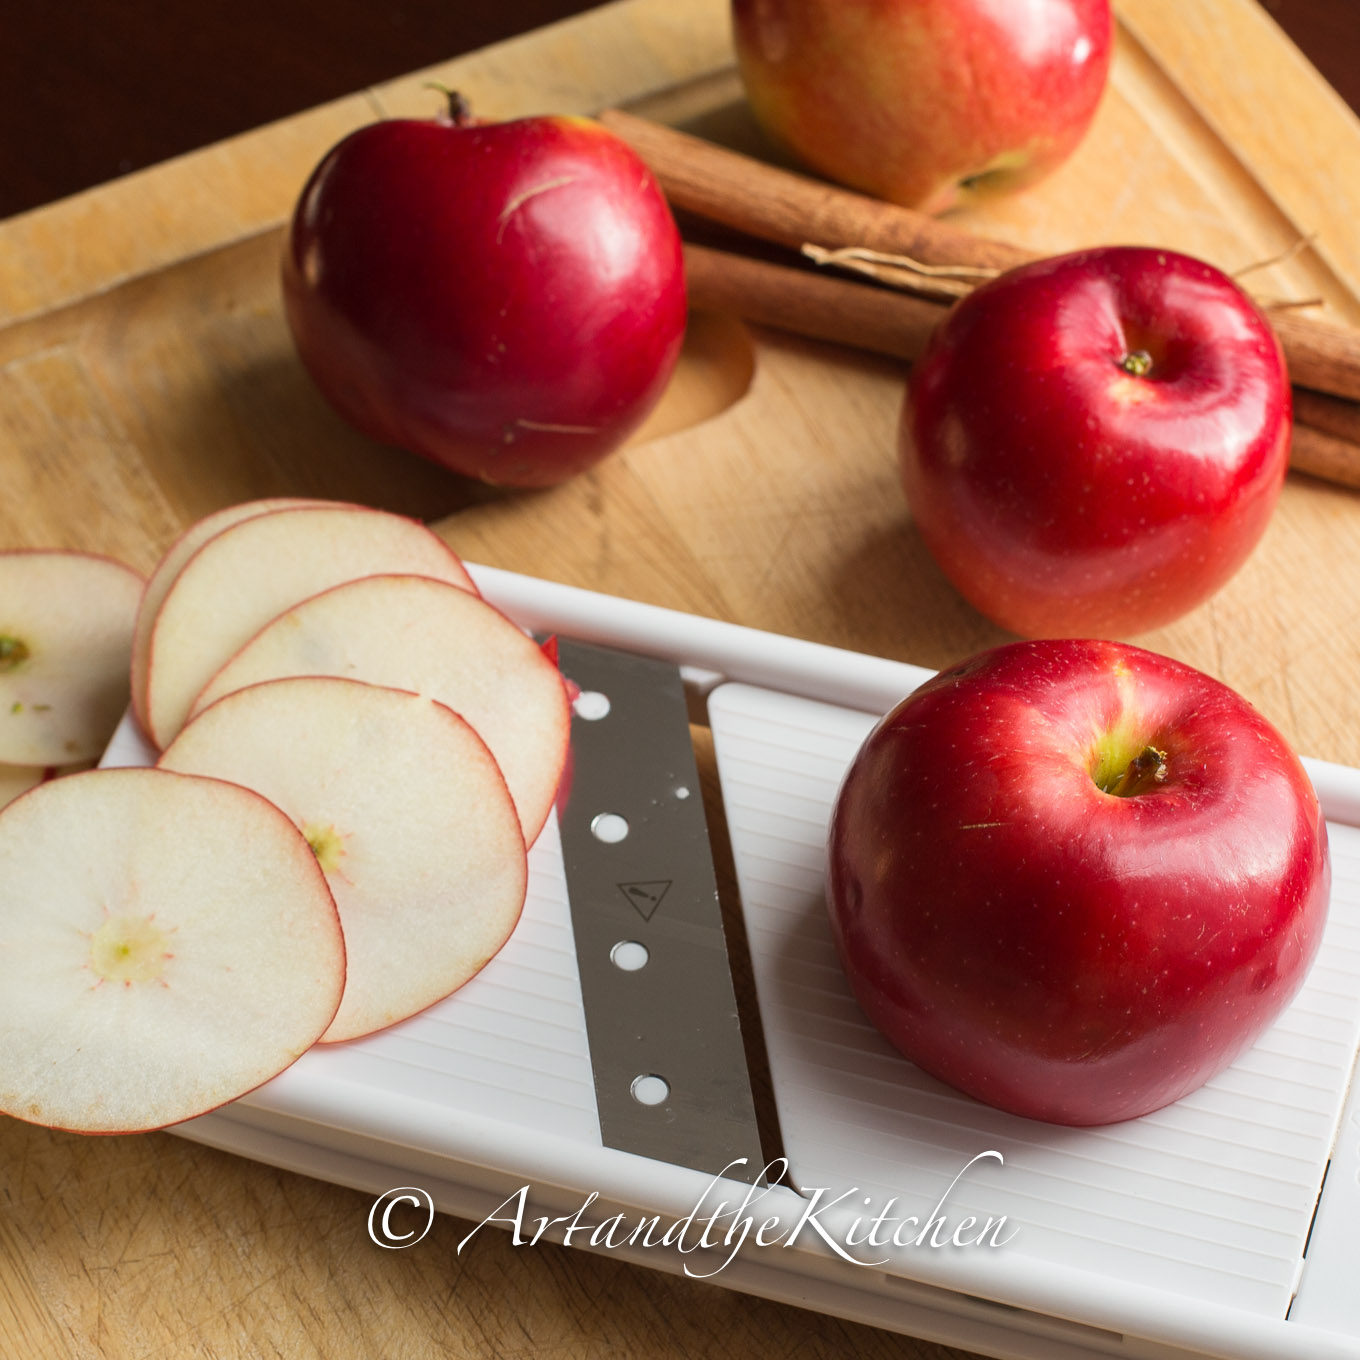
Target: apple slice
[[66, 621], [168, 942], [17, 779], [414, 633], [169, 568], [408, 815], [250, 573]]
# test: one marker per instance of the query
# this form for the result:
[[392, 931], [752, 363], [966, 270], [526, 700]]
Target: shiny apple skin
[[927, 103], [506, 299], [1064, 496], [1060, 952]]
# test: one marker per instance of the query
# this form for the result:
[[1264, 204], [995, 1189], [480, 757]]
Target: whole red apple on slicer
[[927, 103], [1075, 879], [506, 299], [1093, 444]]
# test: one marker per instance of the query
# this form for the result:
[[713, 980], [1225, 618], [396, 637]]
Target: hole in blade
[[629, 955], [650, 1089], [591, 705], [609, 827]]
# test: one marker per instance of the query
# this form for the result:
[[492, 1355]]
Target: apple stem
[[13, 654], [459, 111], [1143, 774], [1137, 362]]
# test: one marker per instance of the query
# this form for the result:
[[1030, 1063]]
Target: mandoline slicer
[[1226, 1225]]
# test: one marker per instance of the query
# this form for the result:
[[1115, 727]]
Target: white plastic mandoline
[[1183, 1233]]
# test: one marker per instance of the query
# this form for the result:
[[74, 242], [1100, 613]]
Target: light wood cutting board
[[146, 377]]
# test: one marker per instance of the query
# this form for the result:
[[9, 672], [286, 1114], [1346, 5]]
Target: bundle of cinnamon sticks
[[775, 205]]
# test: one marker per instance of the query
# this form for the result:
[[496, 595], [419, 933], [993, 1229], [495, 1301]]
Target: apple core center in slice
[[169, 944], [407, 814], [414, 633], [253, 571]]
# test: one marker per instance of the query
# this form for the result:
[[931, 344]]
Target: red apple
[[1093, 444], [506, 299], [1075, 879], [928, 103]]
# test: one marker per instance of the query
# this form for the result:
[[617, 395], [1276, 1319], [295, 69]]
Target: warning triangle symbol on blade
[[645, 897]]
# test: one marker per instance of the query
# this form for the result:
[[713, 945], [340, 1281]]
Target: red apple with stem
[[1094, 443], [1075, 879], [928, 103], [506, 299]]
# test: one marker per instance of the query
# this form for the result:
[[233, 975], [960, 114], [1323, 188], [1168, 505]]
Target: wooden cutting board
[[146, 377]]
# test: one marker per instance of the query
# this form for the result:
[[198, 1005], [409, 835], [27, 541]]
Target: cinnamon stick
[[1324, 455], [791, 209], [1331, 415], [1322, 355], [819, 306], [778, 205], [822, 307]]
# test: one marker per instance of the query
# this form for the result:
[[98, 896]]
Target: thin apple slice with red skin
[[414, 633], [408, 815], [17, 779], [254, 571], [170, 944], [66, 621], [169, 568]]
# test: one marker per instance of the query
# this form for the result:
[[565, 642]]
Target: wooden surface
[[146, 377]]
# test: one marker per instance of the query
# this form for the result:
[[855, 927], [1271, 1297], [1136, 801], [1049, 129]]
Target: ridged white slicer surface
[[509, 1045], [1187, 1225], [1211, 1198]]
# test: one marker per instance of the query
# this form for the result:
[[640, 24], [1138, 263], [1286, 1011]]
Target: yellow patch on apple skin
[[1111, 753], [1127, 390], [129, 949], [1118, 738], [995, 177], [328, 845]]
